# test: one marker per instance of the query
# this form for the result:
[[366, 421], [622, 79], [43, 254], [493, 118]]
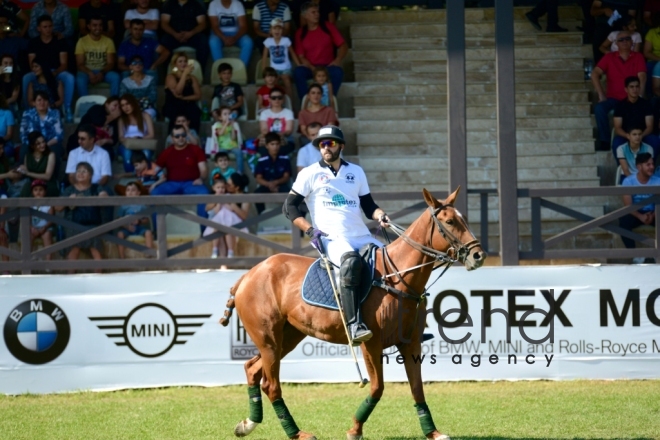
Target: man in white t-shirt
[[229, 28], [151, 18], [336, 192], [88, 152]]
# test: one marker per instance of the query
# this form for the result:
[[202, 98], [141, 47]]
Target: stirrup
[[360, 333]]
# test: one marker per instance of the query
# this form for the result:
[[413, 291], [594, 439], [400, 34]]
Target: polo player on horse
[[335, 190]]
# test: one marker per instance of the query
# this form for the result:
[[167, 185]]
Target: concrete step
[[420, 76], [472, 15], [421, 112], [473, 137], [414, 126], [482, 54], [436, 149], [394, 163], [526, 98], [548, 64], [440, 42], [370, 89]]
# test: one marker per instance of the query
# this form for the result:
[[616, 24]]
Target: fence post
[[26, 238], [161, 230], [537, 238]]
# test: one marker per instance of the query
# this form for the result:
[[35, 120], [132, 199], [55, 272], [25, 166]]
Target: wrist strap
[[309, 231]]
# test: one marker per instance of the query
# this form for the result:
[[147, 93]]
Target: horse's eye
[[450, 222]]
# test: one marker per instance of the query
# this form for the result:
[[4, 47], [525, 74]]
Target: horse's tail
[[224, 321]]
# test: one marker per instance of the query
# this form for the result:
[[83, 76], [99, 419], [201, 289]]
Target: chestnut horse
[[268, 301]]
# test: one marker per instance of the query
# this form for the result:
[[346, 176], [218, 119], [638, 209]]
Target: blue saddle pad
[[317, 290]]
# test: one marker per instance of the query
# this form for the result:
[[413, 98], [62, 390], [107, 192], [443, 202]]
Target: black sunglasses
[[277, 97], [622, 39]]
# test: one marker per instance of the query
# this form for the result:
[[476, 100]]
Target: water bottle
[[588, 68], [205, 112]]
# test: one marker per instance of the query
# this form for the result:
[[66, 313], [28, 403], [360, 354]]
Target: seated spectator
[[236, 184], [650, 8], [185, 167], [133, 124], [279, 120], [7, 127], [146, 172], [43, 81], [9, 82], [82, 186], [225, 133], [602, 11], [633, 111], [263, 92], [263, 14], [276, 53], [321, 78], [627, 153], [318, 44], [39, 165], [52, 53], [45, 120], [9, 44], [652, 45], [150, 17], [229, 93], [106, 10], [41, 228], [617, 66], [13, 12], [628, 24], [182, 91], [59, 14], [183, 23], [543, 7], [7, 172], [328, 11], [309, 154], [227, 214], [229, 28], [91, 154], [315, 111], [95, 58], [191, 135], [105, 118], [273, 173], [646, 214], [140, 227], [222, 171], [138, 46], [140, 86]]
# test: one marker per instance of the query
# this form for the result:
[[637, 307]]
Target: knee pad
[[351, 267]]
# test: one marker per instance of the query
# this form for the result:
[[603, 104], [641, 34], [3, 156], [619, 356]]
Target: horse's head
[[454, 237]]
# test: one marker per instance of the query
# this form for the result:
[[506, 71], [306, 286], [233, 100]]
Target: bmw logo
[[36, 331]]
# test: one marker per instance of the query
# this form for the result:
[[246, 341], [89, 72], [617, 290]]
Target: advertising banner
[[107, 332]]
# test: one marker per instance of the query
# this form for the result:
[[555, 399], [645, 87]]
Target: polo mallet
[[328, 268]]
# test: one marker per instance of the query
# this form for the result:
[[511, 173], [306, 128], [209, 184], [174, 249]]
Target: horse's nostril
[[476, 256]]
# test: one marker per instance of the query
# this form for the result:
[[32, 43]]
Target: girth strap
[[378, 282]]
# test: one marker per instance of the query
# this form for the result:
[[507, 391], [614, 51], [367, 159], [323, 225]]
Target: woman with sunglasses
[[276, 119], [140, 85], [336, 192], [315, 112]]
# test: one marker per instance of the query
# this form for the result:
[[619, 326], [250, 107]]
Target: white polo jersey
[[334, 201]]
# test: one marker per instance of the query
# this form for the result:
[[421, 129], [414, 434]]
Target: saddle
[[317, 290]]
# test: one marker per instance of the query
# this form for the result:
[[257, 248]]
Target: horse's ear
[[430, 200], [452, 197]]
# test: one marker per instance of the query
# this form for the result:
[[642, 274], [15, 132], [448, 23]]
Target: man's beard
[[334, 157]]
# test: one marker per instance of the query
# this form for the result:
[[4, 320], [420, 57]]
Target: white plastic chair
[[84, 103], [239, 72]]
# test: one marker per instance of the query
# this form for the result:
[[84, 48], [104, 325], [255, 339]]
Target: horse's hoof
[[353, 436], [244, 428], [304, 436], [438, 436]]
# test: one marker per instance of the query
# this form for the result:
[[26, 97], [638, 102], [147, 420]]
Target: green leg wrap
[[365, 409], [425, 418], [286, 420], [256, 408]]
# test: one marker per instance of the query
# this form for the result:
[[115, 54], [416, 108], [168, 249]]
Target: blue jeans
[[177, 188], [601, 112], [112, 78], [244, 43], [67, 81], [301, 74], [126, 154]]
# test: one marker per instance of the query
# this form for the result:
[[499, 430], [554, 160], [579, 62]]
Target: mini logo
[[350, 178], [149, 330], [36, 331], [242, 347]]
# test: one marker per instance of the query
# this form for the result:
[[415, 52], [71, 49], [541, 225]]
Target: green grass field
[[465, 410]]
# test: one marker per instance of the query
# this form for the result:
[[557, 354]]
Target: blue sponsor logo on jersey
[[339, 200]]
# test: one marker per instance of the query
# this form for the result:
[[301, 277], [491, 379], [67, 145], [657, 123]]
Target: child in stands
[[628, 24], [280, 49], [222, 169], [263, 94], [627, 153], [213, 209], [321, 78], [148, 173], [41, 228], [141, 227], [229, 93], [226, 136]]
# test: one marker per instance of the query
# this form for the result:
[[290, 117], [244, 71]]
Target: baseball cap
[[276, 22]]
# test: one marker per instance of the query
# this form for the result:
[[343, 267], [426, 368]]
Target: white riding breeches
[[335, 247]]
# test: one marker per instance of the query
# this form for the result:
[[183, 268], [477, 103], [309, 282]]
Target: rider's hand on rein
[[315, 237]]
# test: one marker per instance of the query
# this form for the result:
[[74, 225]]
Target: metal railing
[[27, 260]]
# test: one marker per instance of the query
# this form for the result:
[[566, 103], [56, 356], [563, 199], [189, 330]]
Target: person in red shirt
[[617, 66], [318, 44], [185, 166]]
